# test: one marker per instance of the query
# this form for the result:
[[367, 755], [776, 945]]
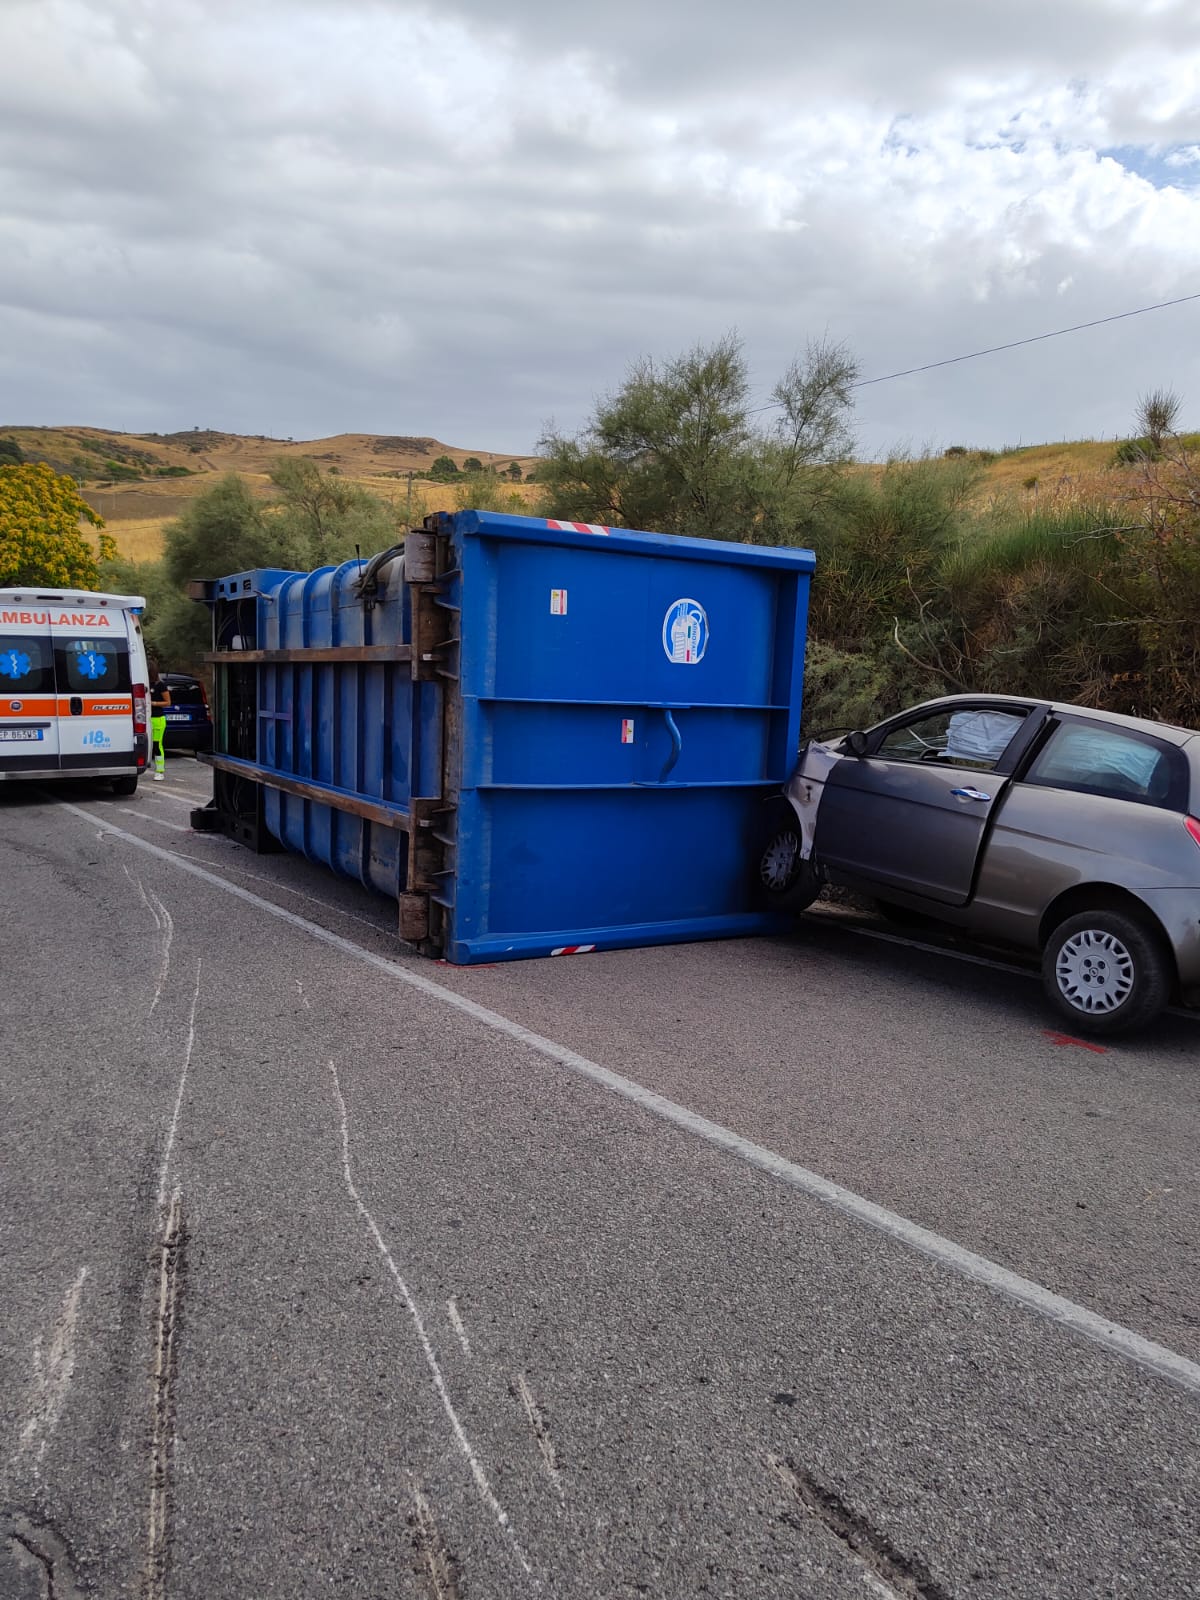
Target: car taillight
[[1193, 827], [204, 697], [140, 708]]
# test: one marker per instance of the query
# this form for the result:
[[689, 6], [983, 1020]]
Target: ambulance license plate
[[20, 733]]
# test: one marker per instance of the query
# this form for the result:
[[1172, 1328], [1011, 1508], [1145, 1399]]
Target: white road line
[[456, 1322], [179, 799], [148, 816], [52, 1373], [187, 1061], [1035, 1297], [439, 1382]]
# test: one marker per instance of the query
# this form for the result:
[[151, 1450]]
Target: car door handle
[[970, 794]]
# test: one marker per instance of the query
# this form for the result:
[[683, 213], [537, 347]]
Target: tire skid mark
[[165, 924], [521, 1390], [53, 1369], [456, 1322], [886, 1571], [486, 1493], [39, 1549], [1055, 1309], [164, 1169], [167, 927], [434, 1559], [170, 1268]]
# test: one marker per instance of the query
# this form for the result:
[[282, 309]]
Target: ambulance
[[74, 686]]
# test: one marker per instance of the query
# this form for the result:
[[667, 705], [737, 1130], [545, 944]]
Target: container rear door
[[28, 709], [95, 700]]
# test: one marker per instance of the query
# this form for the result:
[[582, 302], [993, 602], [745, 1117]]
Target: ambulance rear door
[[28, 707], [95, 700]]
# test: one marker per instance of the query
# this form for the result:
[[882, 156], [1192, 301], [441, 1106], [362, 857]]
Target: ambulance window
[[93, 666], [26, 665]]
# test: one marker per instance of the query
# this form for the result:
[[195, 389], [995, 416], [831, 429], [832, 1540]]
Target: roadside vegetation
[[928, 580], [1071, 572]]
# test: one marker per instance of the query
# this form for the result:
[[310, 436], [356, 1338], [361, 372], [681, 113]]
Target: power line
[[1057, 333], [1035, 338]]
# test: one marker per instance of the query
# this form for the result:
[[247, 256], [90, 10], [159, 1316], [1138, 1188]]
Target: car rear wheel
[[1106, 972], [789, 882], [127, 785]]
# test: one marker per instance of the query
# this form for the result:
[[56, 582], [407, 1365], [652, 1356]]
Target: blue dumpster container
[[541, 737]]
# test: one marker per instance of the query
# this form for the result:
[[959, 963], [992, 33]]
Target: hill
[[139, 481]]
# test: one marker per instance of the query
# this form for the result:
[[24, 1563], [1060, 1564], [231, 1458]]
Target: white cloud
[[324, 214]]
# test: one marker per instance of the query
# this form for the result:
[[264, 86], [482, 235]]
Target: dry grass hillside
[[139, 482]]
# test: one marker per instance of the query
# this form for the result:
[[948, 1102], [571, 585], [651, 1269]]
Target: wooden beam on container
[[339, 800], [312, 655]]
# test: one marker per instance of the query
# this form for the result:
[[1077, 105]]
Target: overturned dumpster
[[539, 737]]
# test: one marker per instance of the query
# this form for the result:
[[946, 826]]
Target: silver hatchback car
[[1048, 827]]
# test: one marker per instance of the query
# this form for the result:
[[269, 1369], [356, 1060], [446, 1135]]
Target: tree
[[40, 537], [678, 450], [514, 471], [323, 517], [10, 452], [484, 491], [223, 530], [1156, 415], [472, 464], [444, 467]]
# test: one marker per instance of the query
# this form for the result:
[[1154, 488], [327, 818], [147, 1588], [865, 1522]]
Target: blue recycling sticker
[[15, 664], [92, 664], [685, 633]]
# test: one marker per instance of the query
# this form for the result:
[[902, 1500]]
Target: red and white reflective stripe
[[573, 950], [577, 527]]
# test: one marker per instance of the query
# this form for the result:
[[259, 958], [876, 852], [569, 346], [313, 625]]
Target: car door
[[28, 711], [95, 701], [912, 813]]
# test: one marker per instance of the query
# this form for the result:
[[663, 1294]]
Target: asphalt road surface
[[816, 1267]]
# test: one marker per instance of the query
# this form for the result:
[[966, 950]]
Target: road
[[813, 1267]]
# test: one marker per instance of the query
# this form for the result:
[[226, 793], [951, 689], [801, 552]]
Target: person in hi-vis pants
[[160, 699]]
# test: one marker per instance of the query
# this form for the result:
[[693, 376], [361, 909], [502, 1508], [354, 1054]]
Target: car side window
[[1093, 759], [956, 737]]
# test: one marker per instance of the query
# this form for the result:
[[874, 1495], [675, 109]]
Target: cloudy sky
[[303, 217]]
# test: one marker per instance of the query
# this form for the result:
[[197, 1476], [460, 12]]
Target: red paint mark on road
[[1083, 1044]]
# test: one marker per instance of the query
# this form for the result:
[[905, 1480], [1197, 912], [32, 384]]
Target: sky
[[308, 217]]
